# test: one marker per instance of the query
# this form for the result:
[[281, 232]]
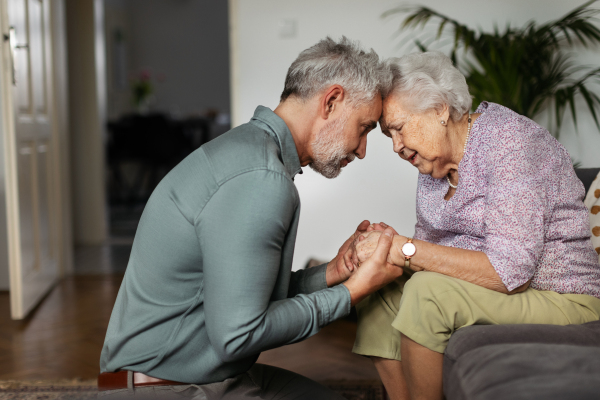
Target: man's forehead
[[371, 112], [376, 105]]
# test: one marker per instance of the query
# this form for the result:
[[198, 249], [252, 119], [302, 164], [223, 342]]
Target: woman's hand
[[350, 258], [375, 272], [364, 246], [381, 226]]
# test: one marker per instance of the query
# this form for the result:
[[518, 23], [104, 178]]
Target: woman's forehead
[[394, 112]]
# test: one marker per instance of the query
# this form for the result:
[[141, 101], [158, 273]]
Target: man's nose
[[361, 152]]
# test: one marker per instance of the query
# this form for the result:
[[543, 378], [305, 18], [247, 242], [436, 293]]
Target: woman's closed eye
[[396, 128]]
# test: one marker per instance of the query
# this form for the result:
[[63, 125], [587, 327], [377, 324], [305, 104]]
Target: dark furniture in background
[[141, 149], [587, 176], [499, 362]]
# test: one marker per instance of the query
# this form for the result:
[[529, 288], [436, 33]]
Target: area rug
[[48, 390], [84, 390]]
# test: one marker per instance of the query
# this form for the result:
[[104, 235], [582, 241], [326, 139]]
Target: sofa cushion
[[525, 371], [592, 202], [586, 176], [469, 338]]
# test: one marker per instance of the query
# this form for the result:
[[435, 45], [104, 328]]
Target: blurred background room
[[128, 88]]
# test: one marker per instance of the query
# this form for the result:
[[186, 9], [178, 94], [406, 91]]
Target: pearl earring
[[443, 122]]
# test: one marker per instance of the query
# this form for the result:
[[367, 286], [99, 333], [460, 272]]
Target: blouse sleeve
[[515, 208]]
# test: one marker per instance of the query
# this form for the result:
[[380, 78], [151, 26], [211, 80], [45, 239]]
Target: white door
[[33, 244]]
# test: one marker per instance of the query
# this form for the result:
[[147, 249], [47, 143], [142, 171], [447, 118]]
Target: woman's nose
[[398, 146]]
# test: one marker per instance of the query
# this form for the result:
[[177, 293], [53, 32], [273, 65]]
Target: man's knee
[[280, 384]]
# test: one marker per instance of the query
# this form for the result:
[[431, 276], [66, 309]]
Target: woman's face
[[418, 138]]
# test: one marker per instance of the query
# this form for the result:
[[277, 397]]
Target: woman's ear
[[444, 114], [331, 100]]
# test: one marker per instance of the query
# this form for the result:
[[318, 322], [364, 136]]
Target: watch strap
[[407, 258]]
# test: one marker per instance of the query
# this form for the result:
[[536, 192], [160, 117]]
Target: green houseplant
[[527, 69], [141, 92]]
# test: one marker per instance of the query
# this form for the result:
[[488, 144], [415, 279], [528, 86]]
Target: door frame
[[60, 176]]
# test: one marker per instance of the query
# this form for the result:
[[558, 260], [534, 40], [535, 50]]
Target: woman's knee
[[431, 295], [427, 284], [425, 308]]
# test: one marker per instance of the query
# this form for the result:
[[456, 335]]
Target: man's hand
[[338, 270], [375, 272]]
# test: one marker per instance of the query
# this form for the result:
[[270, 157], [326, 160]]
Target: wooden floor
[[64, 335]]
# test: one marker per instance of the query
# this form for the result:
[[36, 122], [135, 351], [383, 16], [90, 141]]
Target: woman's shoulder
[[502, 130], [496, 118], [505, 141]]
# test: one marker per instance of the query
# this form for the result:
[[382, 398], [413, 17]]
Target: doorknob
[[12, 42]]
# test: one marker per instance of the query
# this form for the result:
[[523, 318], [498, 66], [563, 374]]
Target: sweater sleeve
[[308, 280]]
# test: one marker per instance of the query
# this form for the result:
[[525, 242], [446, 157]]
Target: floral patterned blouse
[[519, 201]]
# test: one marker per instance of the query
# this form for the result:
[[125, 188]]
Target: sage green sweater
[[209, 282]]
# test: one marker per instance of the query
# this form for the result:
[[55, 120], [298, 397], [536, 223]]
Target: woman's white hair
[[426, 81], [360, 73]]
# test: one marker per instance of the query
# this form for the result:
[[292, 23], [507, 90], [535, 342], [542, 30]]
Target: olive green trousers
[[428, 307]]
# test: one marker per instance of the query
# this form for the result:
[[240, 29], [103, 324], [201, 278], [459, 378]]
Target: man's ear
[[444, 113], [331, 100]]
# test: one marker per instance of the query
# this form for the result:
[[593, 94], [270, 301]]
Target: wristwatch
[[409, 250]]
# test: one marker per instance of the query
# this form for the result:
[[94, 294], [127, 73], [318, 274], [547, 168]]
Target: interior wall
[[266, 38], [87, 83], [183, 45], [118, 56], [61, 126]]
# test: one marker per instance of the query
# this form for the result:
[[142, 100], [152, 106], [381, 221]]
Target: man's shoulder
[[244, 158], [242, 149]]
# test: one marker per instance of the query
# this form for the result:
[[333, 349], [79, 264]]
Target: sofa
[[486, 362]]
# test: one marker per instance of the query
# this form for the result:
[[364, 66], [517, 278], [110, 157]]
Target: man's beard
[[328, 148]]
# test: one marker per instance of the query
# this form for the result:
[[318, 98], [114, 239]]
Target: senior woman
[[502, 235]]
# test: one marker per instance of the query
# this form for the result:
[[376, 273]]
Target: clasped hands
[[365, 262], [365, 244]]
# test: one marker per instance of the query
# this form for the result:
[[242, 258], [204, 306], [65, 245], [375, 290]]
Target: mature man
[[209, 283]]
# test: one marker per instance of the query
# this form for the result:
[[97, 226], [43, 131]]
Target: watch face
[[409, 249]]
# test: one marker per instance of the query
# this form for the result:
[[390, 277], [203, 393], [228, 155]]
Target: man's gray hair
[[426, 81], [345, 63]]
